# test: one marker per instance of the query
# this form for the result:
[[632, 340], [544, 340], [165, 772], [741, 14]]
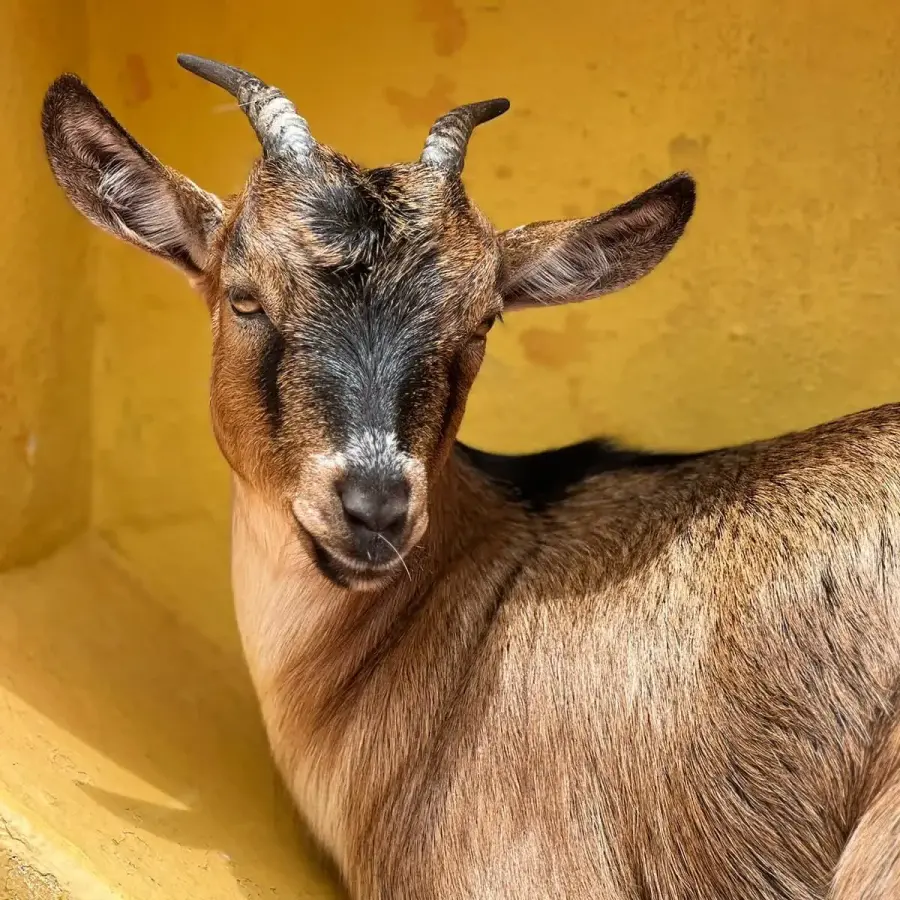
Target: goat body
[[610, 676]]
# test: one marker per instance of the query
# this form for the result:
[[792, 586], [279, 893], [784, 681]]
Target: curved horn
[[445, 147], [281, 130]]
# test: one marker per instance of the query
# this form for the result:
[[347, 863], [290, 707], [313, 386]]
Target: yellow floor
[[133, 760]]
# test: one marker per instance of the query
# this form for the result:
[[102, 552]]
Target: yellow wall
[[777, 311], [45, 298], [780, 308], [132, 756]]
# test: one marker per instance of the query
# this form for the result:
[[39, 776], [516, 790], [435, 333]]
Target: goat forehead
[[349, 218], [402, 300]]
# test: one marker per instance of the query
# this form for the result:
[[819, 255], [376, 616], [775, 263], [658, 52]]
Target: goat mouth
[[349, 573]]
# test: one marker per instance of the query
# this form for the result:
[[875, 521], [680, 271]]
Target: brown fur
[[675, 680], [675, 685]]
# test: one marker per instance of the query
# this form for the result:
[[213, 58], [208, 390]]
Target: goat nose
[[375, 505]]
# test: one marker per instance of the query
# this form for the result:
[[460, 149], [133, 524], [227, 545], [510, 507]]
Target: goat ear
[[549, 263], [118, 185]]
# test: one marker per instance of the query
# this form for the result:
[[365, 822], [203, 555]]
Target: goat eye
[[487, 324], [246, 305]]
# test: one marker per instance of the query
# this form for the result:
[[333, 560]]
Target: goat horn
[[445, 147], [281, 130]]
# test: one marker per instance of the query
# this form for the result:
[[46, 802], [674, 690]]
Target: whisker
[[402, 560]]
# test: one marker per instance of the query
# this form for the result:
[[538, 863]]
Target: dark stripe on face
[[369, 346], [454, 390], [236, 250], [267, 378]]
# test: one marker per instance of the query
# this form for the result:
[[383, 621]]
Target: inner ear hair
[[548, 263], [118, 185]]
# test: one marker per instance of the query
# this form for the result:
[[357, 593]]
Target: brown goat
[[587, 673]]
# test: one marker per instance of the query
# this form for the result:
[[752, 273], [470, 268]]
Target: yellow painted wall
[[45, 298], [129, 741], [780, 308]]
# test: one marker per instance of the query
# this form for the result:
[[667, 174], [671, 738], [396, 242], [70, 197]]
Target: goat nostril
[[382, 509]]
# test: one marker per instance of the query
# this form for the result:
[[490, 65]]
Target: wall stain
[[559, 349], [422, 110], [448, 23], [687, 152], [503, 172], [135, 80], [812, 207]]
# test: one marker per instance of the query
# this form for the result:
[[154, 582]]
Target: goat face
[[349, 306], [351, 309]]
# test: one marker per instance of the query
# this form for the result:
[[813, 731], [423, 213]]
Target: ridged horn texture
[[445, 147], [281, 130]]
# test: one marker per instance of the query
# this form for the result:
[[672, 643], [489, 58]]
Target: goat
[[591, 672]]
